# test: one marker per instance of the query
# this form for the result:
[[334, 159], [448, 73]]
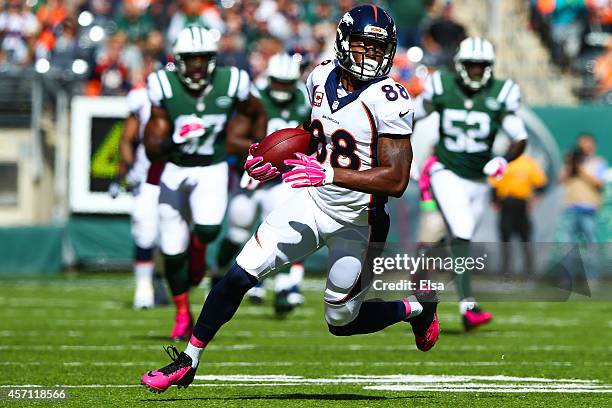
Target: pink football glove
[[496, 167], [258, 170], [307, 172]]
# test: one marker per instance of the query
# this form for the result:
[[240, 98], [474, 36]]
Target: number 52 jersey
[[346, 127]]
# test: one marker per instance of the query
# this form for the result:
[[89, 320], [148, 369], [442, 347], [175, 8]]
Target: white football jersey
[[347, 126], [139, 105]]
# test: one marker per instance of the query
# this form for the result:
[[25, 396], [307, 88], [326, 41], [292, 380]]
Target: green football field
[[79, 333]]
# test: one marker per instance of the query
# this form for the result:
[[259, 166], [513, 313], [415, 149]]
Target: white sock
[[282, 281], [195, 353], [143, 272], [416, 308], [466, 304], [296, 272]]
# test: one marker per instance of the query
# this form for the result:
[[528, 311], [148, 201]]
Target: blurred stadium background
[[65, 66]]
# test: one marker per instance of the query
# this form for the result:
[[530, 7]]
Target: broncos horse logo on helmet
[[373, 29]]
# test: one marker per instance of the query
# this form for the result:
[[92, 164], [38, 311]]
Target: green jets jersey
[[215, 107], [469, 122], [285, 115]]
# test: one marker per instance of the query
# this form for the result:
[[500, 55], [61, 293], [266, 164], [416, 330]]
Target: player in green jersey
[[199, 114], [473, 106], [287, 105]]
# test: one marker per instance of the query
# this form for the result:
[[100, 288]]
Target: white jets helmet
[[284, 69], [476, 50], [196, 40]]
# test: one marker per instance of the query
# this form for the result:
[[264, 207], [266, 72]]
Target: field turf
[[80, 333]]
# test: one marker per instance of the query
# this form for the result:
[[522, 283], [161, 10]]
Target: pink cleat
[[426, 327], [183, 326], [475, 317], [179, 372]]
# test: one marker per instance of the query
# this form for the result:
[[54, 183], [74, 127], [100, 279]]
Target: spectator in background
[[18, 29], [583, 177], [134, 20], [602, 71], [262, 51], [50, 15], [194, 12], [514, 193], [154, 49], [409, 15], [232, 52], [110, 75], [567, 25], [66, 48], [443, 35], [601, 14]]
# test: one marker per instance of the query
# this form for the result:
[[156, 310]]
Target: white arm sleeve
[[136, 99], [514, 127], [510, 95], [309, 86], [154, 89], [423, 104], [244, 86]]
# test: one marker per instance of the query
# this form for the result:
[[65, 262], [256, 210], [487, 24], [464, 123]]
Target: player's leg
[[455, 197], [174, 241], [287, 281], [208, 200], [289, 233], [351, 250], [144, 233], [241, 217]]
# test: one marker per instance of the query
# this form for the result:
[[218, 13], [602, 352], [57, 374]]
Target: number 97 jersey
[[346, 127]]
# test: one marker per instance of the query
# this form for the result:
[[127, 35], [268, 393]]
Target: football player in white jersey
[[362, 120], [134, 167]]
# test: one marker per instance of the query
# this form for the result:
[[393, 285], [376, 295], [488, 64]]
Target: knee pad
[[257, 257], [341, 314], [206, 233]]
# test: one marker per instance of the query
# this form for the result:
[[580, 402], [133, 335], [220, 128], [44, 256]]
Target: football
[[281, 145]]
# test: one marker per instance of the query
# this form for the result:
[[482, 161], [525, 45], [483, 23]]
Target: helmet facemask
[[194, 77], [474, 61], [471, 81], [367, 56], [281, 91]]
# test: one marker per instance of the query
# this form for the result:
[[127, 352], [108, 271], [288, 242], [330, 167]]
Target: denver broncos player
[[362, 121]]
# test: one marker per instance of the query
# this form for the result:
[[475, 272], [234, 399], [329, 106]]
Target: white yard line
[[398, 383]]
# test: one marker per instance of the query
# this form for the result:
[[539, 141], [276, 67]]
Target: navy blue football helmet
[[374, 26]]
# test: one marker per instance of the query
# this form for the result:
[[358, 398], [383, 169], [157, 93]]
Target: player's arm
[[157, 140], [249, 123], [423, 103], [126, 144], [389, 178], [514, 127]]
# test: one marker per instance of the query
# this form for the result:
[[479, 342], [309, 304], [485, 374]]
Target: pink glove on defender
[[307, 172], [255, 167]]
